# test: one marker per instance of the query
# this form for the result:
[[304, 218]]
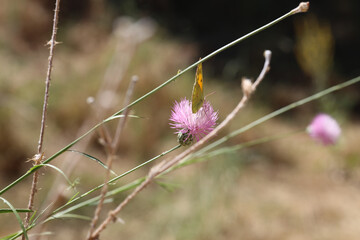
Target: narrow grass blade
[[120, 116], [207, 57], [57, 213], [5, 210], [167, 186], [76, 216], [60, 171], [223, 150], [278, 112], [75, 195], [94, 159], [11, 236], [18, 218], [231, 44], [120, 176]]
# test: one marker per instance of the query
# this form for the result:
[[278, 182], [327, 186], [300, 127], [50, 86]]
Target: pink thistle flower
[[190, 125], [324, 129]]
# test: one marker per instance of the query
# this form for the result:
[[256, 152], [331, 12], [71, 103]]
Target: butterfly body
[[198, 90]]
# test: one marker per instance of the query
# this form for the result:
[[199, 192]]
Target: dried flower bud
[[303, 7], [267, 54], [247, 88]]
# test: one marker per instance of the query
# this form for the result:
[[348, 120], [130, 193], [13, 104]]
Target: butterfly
[[198, 90]]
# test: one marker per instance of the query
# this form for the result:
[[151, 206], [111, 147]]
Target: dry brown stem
[[166, 164], [125, 46], [111, 156], [52, 44]]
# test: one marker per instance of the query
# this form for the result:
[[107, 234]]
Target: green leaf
[[121, 116], [76, 216], [11, 236], [94, 200], [60, 171], [7, 210], [93, 158], [168, 186], [117, 178], [18, 218], [72, 198]]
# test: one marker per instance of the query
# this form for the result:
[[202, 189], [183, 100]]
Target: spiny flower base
[[190, 125]]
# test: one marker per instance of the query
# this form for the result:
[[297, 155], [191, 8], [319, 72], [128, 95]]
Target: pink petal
[[325, 129]]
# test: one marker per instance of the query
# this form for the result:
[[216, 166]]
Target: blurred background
[[292, 188]]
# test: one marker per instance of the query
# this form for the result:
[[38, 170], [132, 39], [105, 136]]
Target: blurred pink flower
[[190, 125], [324, 129]]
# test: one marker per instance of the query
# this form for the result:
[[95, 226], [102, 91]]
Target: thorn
[[37, 158], [120, 220], [49, 43]]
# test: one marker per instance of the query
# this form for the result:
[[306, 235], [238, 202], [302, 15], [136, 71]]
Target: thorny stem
[[164, 165], [112, 78], [52, 44], [113, 149]]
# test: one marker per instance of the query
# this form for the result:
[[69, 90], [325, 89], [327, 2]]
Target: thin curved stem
[[164, 165], [294, 11]]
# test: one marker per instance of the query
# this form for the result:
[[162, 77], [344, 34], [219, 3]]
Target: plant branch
[[158, 88], [118, 177], [293, 105], [124, 48], [52, 44], [164, 165], [120, 127], [299, 9], [113, 148], [38, 160]]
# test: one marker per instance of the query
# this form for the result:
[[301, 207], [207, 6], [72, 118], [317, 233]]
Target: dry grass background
[[291, 188]]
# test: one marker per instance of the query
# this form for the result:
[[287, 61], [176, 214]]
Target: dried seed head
[[303, 7], [267, 54]]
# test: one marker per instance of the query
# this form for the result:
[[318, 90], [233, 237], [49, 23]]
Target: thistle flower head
[[324, 129], [190, 125]]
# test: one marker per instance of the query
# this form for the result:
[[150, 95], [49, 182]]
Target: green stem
[[151, 92], [35, 168], [198, 158], [93, 200], [207, 58], [278, 112], [118, 177], [222, 140], [18, 218]]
